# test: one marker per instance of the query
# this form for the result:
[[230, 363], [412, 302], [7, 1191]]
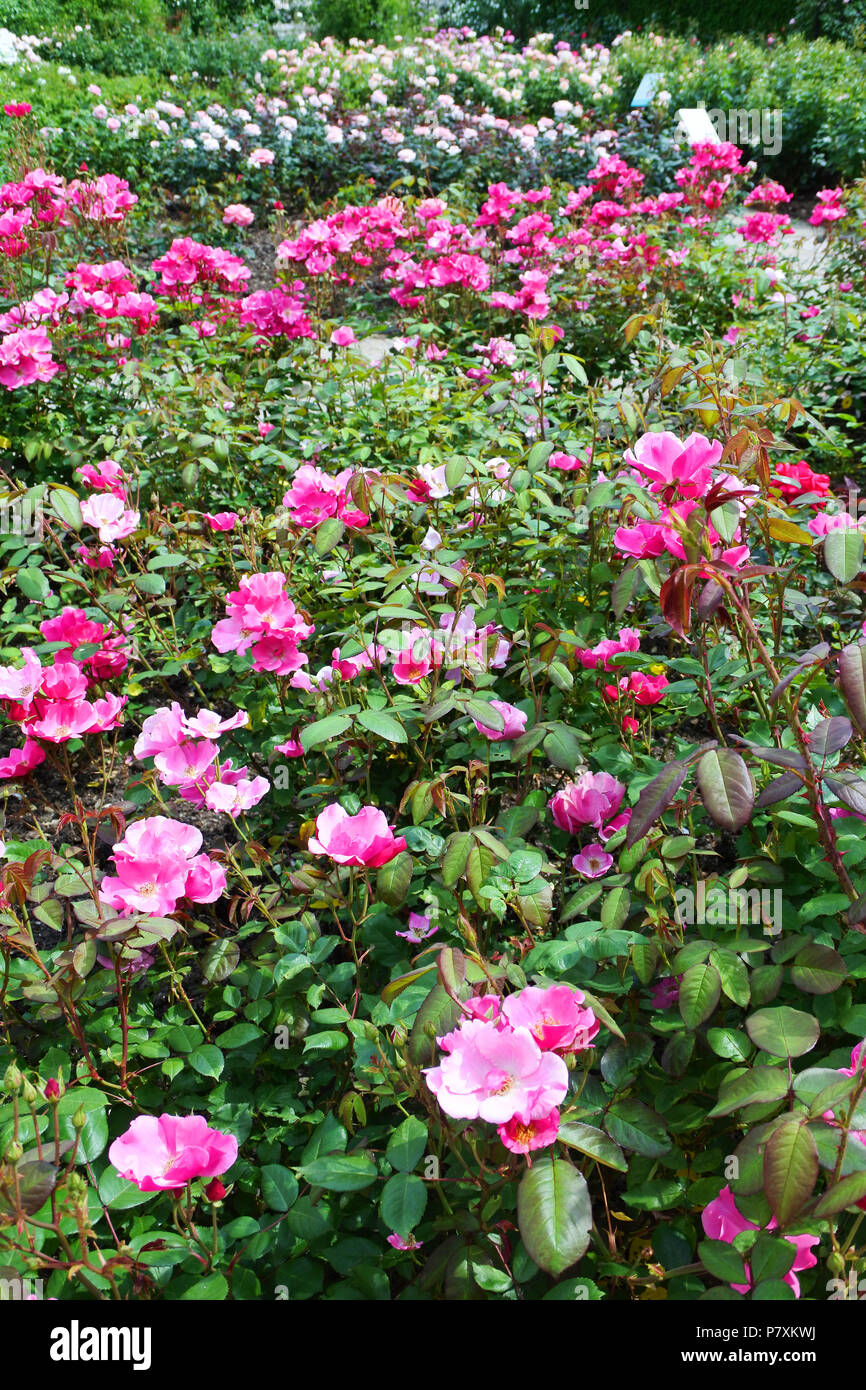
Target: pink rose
[[553, 1016], [593, 798], [515, 722], [722, 1221], [168, 1151], [365, 840]]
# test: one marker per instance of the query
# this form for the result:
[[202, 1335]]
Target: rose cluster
[[505, 1063]]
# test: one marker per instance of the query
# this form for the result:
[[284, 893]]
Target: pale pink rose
[[168, 1151], [208, 724], [238, 215], [343, 337], [63, 681], [107, 513], [365, 840], [185, 762], [158, 863], [162, 730], [493, 1074], [234, 797], [20, 683], [108, 713]]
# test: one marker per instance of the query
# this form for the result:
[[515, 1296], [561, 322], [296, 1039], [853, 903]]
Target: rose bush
[[433, 678]]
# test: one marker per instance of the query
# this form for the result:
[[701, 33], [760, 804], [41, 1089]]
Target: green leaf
[[66, 506], [733, 975], [818, 970], [845, 1193], [645, 957], [325, 1044], [33, 584], [395, 987], [722, 1261], [213, 1288], [760, 1085], [562, 748], [726, 788], [615, 908], [486, 714], [852, 678], [328, 535], [633, 1125], [340, 1172], [655, 799], [220, 960], [207, 1060], [771, 1257], [240, 1035], [451, 967], [790, 1168], [437, 1016], [393, 879], [279, 1187], [36, 1179], [151, 584], [407, 1144], [783, 1032], [554, 1214], [843, 554], [730, 1043], [404, 1198], [119, 1193], [383, 725], [775, 1290], [454, 858], [594, 1143], [323, 730], [700, 988]]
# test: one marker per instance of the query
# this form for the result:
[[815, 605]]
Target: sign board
[[695, 127], [649, 85]]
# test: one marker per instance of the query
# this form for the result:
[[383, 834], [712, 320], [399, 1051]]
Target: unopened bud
[[215, 1190], [79, 1119], [13, 1151], [835, 1263], [12, 1079], [29, 1093], [52, 1090]]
